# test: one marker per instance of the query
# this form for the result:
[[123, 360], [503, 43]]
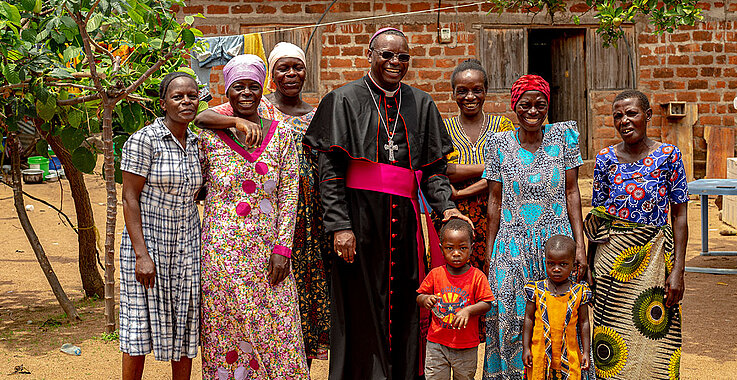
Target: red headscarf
[[529, 83]]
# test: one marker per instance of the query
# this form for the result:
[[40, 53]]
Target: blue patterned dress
[[533, 209]]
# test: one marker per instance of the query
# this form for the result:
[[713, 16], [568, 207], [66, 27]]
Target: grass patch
[[109, 337]]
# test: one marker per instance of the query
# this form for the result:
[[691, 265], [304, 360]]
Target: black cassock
[[375, 330]]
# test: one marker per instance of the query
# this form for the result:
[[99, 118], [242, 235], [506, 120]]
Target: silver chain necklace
[[389, 146]]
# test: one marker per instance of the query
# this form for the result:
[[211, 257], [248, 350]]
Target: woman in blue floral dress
[[638, 259], [533, 182]]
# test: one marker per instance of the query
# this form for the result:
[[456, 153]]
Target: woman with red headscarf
[[533, 194]]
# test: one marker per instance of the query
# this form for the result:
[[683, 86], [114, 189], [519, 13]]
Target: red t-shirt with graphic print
[[456, 292]]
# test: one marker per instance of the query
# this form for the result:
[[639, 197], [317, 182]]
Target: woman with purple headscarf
[[250, 319]]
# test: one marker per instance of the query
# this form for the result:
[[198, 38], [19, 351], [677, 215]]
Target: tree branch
[[150, 71], [89, 13], [82, 25], [102, 49], [80, 86], [138, 98], [12, 86], [79, 99]]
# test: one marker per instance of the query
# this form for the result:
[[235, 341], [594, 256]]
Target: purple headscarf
[[244, 66]]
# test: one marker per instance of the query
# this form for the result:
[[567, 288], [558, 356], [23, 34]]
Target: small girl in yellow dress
[[555, 307]]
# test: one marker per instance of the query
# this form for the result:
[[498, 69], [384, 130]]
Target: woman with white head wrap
[[287, 72], [250, 316]]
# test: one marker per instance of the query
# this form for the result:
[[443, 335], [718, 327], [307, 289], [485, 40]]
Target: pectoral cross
[[391, 148]]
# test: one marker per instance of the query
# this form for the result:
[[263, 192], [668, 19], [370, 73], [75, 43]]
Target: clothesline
[[374, 17]]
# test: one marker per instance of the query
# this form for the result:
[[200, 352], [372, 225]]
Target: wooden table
[[704, 188]]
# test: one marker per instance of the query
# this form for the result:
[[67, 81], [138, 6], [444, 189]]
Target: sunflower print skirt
[[635, 335]]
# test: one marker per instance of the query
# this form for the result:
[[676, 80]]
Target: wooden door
[[568, 100]]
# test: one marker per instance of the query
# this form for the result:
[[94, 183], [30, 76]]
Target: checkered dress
[[164, 319]]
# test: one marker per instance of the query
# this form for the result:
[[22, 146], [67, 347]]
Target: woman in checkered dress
[[160, 248]]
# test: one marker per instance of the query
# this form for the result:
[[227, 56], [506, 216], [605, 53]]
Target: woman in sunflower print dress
[[638, 259], [533, 195], [250, 316]]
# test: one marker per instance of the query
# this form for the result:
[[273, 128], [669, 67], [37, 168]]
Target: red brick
[[730, 72], [709, 46], [176, 8], [342, 39], [698, 84], [315, 8], [644, 50], [702, 35], [674, 85], [414, 7], [580, 7], [353, 75], [341, 62], [413, 28], [361, 7], [662, 72], [361, 63], [646, 74], [329, 75], [362, 39], [704, 108], [239, 9], [434, 51], [733, 84], [652, 61], [424, 87], [417, 51], [351, 28], [353, 50], [396, 7], [730, 48], [703, 59], [208, 29], [445, 63], [645, 38], [677, 60], [720, 84], [679, 37], [443, 87], [291, 8], [217, 9], [721, 108], [710, 120], [330, 51], [265, 9], [472, 50], [709, 96], [686, 72], [704, 6], [427, 74], [421, 38], [711, 72], [687, 97], [194, 9], [690, 48], [662, 98], [458, 50], [466, 38]]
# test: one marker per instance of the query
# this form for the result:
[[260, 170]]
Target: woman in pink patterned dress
[[250, 318]]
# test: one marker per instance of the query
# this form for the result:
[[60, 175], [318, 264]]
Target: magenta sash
[[403, 182]]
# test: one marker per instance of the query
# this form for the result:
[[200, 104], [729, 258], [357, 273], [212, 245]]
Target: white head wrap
[[284, 50]]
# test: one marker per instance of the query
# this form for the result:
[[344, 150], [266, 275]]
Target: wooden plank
[[609, 67], [501, 52], [679, 132], [568, 86], [719, 146]]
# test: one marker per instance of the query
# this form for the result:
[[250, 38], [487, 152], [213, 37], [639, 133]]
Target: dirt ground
[[33, 326]]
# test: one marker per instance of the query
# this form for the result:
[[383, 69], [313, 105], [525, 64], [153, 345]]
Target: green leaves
[[94, 23], [84, 160], [46, 109], [72, 138], [11, 13]]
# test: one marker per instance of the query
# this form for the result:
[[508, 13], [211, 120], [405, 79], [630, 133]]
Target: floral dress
[[635, 335], [533, 209], [311, 244], [250, 329]]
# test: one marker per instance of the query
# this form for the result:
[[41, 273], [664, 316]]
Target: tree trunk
[[112, 204], [20, 208], [86, 229]]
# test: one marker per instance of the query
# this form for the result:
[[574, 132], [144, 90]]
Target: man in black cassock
[[377, 122]]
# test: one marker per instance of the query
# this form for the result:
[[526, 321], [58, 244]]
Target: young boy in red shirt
[[457, 294]]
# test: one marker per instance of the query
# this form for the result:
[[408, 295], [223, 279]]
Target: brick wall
[[695, 64]]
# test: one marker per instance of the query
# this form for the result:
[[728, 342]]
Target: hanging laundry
[[213, 51]]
